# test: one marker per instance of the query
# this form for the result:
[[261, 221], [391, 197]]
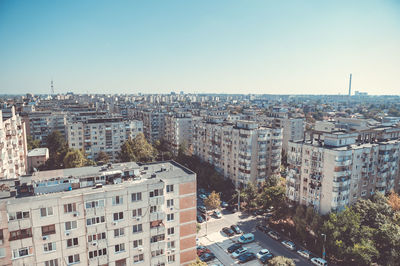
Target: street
[[217, 242]]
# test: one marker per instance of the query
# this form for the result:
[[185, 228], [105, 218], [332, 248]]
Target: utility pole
[[323, 246], [238, 199]]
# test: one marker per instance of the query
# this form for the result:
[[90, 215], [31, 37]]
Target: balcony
[[159, 200], [156, 216]]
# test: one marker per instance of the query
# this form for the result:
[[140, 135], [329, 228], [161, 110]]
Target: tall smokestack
[[350, 86]]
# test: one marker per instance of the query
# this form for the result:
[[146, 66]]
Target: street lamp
[[323, 246], [238, 191]]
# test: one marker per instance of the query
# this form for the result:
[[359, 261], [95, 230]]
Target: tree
[[213, 201], [249, 196], [198, 262], [58, 148], [102, 157], [74, 158], [394, 201], [137, 149], [198, 228], [31, 143], [275, 197], [281, 261], [363, 253]]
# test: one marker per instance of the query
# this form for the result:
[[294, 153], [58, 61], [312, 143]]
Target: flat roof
[[38, 152]]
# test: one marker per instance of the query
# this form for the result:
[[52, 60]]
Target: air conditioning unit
[[140, 249], [67, 233], [138, 218], [115, 223], [172, 208], [76, 214], [168, 238], [94, 243], [45, 237]]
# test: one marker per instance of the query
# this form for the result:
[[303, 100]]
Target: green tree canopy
[[74, 158], [281, 261], [31, 143], [102, 157], [213, 201], [137, 149]]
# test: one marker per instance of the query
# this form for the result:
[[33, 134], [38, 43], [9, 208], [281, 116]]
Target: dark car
[[236, 229], [246, 257], [228, 231], [202, 209], [258, 212], [202, 250], [234, 247], [200, 219], [262, 228], [232, 208], [207, 257], [267, 257]]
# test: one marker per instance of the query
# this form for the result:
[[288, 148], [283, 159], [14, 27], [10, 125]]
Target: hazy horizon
[[231, 47]]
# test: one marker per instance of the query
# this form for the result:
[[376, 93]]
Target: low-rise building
[[37, 157]]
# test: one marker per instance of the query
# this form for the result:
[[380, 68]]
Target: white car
[[319, 262], [202, 196], [289, 244], [239, 252], [262, 253], [217, 214], [304, 253]]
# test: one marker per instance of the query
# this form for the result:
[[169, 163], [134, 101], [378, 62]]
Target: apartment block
[[335, 172], [153, 122], [178, 131], [13, 147], [102, 134], [122, 214], [244, 151]]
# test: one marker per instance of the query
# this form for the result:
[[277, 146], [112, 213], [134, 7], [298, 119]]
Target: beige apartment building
[[122, 214], [335, 172], [102, 134], [13, 147], [178, 131], [244, 151]]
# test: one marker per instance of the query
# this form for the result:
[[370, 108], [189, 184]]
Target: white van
[[319, 262]]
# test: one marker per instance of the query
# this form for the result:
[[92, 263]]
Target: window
[[137, 243], [171, 258], [95, 220], [157, 238], [137, 228], [136, 196], [171, 244], [156, 193], [119, 248], [72, 242], [171, 231], [157, 253], [118, 216], [2, 252], [137, 212], [96, 237], [68, 208], [73, 259], [170, 217], [138, 258], [48, 230], [170, 188], [70, 225], [18, 215], [46, 211], [119, 232], [94, 204], [170, 203], [117, 200], [49, 247], [96, 253], [21, 234], [22, 252], [53, 262], [153, 209]]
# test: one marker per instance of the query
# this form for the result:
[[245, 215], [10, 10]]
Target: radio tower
[[52, 88], [350, 85]]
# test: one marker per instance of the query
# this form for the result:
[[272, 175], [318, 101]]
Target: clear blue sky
[[200, 46]]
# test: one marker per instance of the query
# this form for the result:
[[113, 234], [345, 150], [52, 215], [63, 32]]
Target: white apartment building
[[243, 152], [293, 130], [13, 147], [335, 172], [126, 214], [102, 134], [178, 131], [153, 122]]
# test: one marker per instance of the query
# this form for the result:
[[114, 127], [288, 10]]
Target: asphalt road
[[248, 225]]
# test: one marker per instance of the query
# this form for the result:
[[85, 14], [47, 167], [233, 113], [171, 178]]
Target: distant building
[[178, 131], [12, 146], [37, 157]]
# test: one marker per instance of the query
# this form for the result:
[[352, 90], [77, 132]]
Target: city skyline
[[225, 47]]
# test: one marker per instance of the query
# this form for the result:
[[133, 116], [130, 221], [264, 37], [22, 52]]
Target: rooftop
[[38, 152]]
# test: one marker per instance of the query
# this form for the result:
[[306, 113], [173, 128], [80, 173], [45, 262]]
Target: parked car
[[232, 208], [207, 257], [202, 196], [202, 209], [201, 250], [274, 235], [200, 219], [267, 257], [224, 204], [258, 212], [239, 252], [234, 247], [236, 229], [227, 231], [319, 262], [262, 253], [246, 257], [262, 228], [205, 217], [217, 214], [304, 253], [246, 238], [289, 244]]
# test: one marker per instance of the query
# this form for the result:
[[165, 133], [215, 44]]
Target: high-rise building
[[178, 131], [153, 122], [13, 147], [102, 134], [244, 152], [123, 214]]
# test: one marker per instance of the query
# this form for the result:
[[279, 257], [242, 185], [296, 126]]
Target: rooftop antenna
[[52, 87], [350, 85]]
